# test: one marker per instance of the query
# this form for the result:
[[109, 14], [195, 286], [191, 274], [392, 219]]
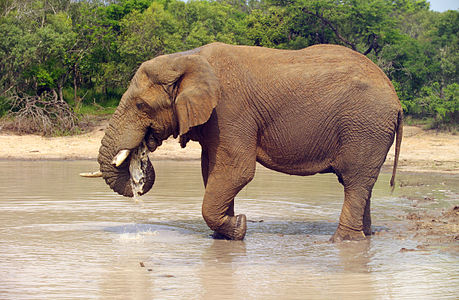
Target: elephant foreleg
[[223, 184], [205, 176]]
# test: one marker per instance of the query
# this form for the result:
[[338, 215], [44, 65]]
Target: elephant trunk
[[124, 161]]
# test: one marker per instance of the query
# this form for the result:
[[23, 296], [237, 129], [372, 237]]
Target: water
[[67, 237]]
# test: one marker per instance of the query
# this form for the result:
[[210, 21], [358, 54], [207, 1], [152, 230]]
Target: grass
[[420, 122], [95, 107], [95, 101], [431, 124], [96, 110]]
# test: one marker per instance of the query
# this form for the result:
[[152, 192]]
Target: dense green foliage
[[85, 52]]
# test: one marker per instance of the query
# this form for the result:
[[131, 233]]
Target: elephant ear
[[196, 88]]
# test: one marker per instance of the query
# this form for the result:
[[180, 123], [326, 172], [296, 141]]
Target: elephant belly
[[299, 159]]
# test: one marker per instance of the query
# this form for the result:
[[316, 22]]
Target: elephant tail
[[398, 142]]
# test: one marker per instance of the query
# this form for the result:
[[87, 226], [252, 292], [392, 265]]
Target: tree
[[203, 22], [269, 28], [144, 35], [72, 48]]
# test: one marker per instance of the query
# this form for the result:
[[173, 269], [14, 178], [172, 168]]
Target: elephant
[[321, 109]]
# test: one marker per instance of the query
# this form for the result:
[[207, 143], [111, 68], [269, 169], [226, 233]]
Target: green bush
[[5, 106], [441, 104], [52, 46]]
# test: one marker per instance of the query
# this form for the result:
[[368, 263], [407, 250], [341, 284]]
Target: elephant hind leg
[[355, 218], [358, 169], [367, 218], [350, 225]]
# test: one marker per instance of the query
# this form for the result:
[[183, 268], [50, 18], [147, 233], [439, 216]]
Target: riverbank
[[426, 151], [79, 147], [422, 150]]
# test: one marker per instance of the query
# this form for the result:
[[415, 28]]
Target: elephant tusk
[[92, 174], [120, 157]]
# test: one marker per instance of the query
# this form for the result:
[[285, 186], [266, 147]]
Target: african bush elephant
[[323, 109]]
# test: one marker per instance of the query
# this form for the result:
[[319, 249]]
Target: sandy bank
[[422, 151], [427, 151]]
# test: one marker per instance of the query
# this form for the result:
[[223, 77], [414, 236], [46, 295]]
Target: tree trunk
[[60, 90], [54, 94], [76, 99]]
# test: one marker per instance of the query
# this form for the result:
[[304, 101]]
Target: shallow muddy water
[[67, 237]]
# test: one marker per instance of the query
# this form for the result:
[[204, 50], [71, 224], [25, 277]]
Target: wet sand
[[422, 151]]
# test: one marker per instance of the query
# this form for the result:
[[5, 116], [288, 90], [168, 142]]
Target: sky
[[442, 5]]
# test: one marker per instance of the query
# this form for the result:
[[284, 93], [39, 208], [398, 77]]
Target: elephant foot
[[233, 229], [344, 233], [367, 230]]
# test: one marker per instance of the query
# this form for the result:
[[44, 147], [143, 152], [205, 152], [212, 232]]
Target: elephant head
[[167, 96]]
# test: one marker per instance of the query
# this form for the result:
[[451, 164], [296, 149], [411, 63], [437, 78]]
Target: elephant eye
[[139, 105]]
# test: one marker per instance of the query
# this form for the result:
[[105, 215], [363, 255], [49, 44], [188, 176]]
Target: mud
[[435, 229], [433, 214]]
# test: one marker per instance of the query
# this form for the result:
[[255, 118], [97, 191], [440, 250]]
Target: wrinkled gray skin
[[323, 109]]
